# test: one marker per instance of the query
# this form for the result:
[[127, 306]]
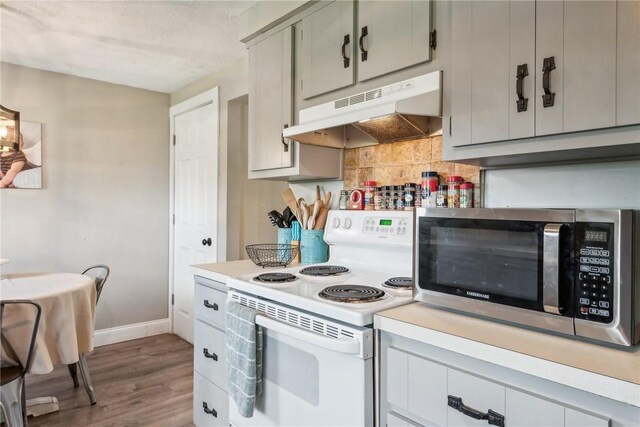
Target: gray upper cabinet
[[392, 35], [327, 53], [628, 60], [492, 71], [270, 101], [582, 79], [576, 61]]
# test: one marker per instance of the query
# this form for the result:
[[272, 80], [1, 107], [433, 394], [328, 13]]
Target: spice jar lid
[[398, 187], [466, 185], [409, 184], [370, 183], [442, 188], [426, 174], [454, 178]]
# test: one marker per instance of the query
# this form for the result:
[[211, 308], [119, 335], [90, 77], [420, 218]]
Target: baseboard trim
[[130, 332]]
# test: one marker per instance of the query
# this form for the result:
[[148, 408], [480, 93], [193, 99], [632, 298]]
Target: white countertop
[[221, 271], [605, 371]]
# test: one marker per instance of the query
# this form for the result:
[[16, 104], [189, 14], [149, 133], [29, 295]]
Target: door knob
[[206, 242]]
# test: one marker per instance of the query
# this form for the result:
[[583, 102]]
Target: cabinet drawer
[[216, 412], [209, 355], [211, 305]]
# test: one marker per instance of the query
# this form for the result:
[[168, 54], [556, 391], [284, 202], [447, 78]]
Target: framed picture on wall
[[23, 168]]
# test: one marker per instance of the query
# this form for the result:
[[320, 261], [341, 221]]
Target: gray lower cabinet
[[327, 49], [423, 385], [210, 399], [270, 101], [392, 35]]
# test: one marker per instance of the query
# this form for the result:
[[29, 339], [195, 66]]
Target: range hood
[[396, 112]]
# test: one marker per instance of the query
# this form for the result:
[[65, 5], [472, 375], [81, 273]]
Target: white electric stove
[[318, 360]]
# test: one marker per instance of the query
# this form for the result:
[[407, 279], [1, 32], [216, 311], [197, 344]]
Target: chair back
[[31, 332], [99, 273]]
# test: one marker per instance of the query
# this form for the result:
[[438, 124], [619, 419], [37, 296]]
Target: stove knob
[[336, 222], [347, 223]]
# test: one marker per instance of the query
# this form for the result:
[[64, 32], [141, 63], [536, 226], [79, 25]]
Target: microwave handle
[[551, 268]]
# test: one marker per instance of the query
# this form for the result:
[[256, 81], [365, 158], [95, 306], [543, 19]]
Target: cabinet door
[[394, 35], [490, 41], [476, 393], [574, 418], [581, 38], [427, 390], [270, 101], [628, 51], [327, 38], [525, 410]]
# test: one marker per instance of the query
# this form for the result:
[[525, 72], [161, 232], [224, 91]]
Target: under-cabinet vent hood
[[406, 110]]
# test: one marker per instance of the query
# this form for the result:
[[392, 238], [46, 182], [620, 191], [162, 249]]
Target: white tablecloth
[[68, 304]]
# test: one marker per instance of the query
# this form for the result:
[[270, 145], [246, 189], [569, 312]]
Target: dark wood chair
[[99, 273], [13, 396]]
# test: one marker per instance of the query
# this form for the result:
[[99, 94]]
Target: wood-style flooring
[[145, 382]]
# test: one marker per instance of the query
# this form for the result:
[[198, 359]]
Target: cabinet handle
[[345, 58], [521, 73], [211, 411], [548, 64], [214, 305], [363, 52], [286, 144], [492, 417], [210, 355]]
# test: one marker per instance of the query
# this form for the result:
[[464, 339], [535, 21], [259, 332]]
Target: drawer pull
[[211, 411], [209, 355], [492, 417], [214, 305]]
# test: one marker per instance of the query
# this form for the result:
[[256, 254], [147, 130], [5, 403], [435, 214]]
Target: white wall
[[106, 189], [244, 204], [614, 185]]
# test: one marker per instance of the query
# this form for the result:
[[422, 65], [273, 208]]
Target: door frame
[[210, 96]]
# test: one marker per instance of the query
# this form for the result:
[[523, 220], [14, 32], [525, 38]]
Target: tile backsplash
[[400, 162]]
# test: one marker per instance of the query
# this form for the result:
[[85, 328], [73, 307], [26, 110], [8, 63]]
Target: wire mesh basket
[[271, 254]]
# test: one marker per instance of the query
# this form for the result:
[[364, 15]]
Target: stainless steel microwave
[[571, 271]]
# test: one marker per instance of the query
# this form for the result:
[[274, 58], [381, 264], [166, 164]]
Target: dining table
[[68, 302]]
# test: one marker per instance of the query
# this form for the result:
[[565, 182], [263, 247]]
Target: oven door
[[511, 264], [310, 380]]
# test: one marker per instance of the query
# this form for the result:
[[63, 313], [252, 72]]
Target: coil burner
[[352, 293], [275, 278], [324, 270], [399, 283]]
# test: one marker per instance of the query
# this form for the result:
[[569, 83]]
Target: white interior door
[[195, 206]]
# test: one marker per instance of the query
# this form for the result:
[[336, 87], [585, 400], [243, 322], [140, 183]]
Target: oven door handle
[[551, 268], [341, 345]]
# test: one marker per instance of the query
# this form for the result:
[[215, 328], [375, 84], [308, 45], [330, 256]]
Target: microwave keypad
[[595, 273]]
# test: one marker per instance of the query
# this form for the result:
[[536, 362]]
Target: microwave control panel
[[595, 272]]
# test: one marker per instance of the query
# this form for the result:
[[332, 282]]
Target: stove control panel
[[384, 225]]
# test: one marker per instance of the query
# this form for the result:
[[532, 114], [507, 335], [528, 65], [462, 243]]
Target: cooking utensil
[[316, 210], [305, 214], [318, 193], [276, 218], [321, 219], [327, 199], [288, 216], [290, 200]]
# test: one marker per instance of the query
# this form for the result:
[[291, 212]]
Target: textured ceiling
[[161, 46]]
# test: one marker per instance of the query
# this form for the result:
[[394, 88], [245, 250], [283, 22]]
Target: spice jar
[[429, 184], [378, 203], [453, 183], [409, 195], [387, 197], [369, 194], [441, 196], [344, 200], [466, 195], [399, 197], [417, 200]]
